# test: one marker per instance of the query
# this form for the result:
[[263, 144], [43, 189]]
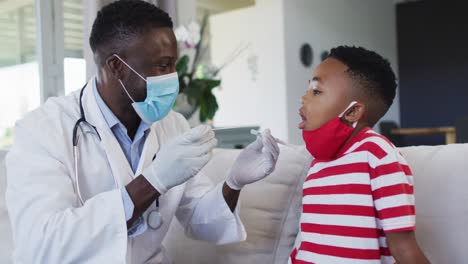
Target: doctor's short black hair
[[118, 23], [372, 75]]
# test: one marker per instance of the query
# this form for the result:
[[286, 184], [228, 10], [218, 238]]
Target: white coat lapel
[[120, 167], [150, 149]]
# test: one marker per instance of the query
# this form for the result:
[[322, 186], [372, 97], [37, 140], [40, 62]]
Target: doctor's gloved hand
[[181, 159], [255, 162]]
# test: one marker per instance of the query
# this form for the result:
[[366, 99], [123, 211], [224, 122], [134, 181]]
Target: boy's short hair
[[372, 75]]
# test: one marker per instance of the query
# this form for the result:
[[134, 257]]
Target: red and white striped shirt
[[351, 202]]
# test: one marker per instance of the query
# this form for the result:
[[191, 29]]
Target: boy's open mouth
[[304, 120]]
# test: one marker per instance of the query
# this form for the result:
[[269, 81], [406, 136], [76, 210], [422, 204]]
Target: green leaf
[[203, 112], [209, 83], [200, 94], [182, 65], [208, 107], [194, 92], [213, 107], [182, 85]]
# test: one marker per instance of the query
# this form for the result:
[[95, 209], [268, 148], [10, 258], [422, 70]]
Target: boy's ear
[[355, 113]]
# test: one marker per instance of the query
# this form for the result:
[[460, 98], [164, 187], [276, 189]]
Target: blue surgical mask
[[161, 94]]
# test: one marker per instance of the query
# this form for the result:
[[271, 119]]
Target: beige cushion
[[6, 244], [441, 183], [270, 211]]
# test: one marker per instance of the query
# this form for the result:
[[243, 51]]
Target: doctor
[[98, 176]]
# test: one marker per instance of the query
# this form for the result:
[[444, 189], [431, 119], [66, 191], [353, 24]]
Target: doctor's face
[[327, 96], [154, 53]]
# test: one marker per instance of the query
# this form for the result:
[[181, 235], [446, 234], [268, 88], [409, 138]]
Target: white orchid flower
[[181, 34], [193, 34]]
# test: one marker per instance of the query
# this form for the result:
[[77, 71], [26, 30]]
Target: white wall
[[253, 86], [276, 29], [328, 23], [186, 12]]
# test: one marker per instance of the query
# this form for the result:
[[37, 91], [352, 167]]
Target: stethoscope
[[154, 219]]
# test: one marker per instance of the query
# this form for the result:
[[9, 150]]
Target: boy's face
[[327, 96]]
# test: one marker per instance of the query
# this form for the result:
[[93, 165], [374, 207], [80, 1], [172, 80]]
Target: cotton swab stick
[[279, 141]]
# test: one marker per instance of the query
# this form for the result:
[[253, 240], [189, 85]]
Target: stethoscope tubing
[[75, 138]]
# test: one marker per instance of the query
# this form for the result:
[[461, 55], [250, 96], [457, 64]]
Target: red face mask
[[324, 142]]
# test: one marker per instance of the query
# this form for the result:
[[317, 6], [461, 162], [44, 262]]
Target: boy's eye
[[316, 92]]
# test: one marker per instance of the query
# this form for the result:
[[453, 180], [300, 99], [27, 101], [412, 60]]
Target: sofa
[[270, 209]]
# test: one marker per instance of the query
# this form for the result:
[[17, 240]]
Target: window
[[19, 67], [19, 71], [74, 63]]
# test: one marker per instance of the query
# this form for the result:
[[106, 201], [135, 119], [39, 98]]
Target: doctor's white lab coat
[[51, 226]]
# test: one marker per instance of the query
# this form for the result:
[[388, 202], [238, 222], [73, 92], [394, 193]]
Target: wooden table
[[449, 132]]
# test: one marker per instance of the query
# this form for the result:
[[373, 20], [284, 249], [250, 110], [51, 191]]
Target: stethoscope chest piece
[[154, 219]]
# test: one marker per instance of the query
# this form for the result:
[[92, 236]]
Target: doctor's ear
[[115, 66], [355, 113]]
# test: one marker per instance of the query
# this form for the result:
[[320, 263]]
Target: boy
[[358, 202]]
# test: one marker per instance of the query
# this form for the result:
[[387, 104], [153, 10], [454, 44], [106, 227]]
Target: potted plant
[[196, 79]]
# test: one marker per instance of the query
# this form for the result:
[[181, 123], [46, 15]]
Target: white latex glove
[[255, 162], [181, 159]]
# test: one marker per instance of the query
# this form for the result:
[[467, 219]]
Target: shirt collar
[[109, 116], [358, 137]]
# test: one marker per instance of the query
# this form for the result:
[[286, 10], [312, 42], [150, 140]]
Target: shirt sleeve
[[295, 249], [393, 192], [292, 256]]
